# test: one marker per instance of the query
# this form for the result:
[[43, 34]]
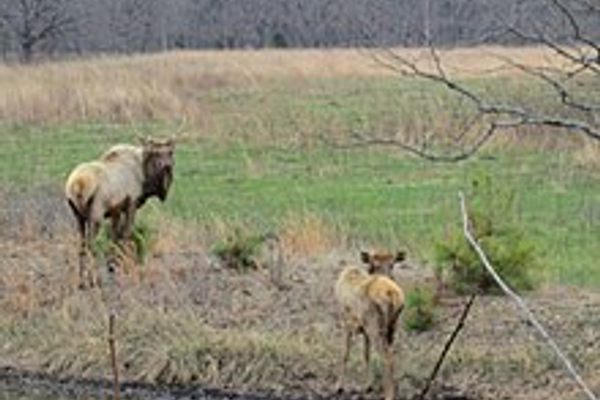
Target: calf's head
[[381, 263]]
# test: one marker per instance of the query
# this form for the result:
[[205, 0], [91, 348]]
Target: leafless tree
[[35, 23], [28, 27], [570, 87]]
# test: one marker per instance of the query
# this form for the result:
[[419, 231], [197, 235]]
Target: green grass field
[[368, 196], [253, 157]]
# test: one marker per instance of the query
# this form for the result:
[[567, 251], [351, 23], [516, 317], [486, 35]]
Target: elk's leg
[[121, 226], [388, 373], [114, 225], [367, 358], [119, 248], [344, 365], [91, 234], [81, 226], [83, 252], [130, 209], [376, 331]]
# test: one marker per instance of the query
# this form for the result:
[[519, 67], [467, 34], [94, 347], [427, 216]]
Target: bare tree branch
[[575, 111], [541, 38], [35, 22], [566, 96], [361, 140], [574, 23]]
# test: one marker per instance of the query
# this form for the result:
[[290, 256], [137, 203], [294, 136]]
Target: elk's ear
[[400, 256], [365, 257]]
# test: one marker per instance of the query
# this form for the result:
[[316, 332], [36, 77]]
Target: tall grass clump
[[292, 95], [239, 250], [419, 315], [493, 220], [142, 238]]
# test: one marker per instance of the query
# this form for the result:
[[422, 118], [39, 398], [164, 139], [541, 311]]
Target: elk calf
[[370, 305]]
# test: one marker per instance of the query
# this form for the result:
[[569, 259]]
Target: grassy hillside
[[253, 154], [256, 157]]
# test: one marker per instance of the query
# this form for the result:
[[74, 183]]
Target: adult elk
[[114, 187]]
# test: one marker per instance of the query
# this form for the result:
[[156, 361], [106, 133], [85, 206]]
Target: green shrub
[[239, 251], [142, 237], [494, 223], [419, 314]]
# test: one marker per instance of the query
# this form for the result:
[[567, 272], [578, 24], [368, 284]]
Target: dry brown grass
[[172, 85], [308, 235], [487, 61], [586, 156], [188, 321]]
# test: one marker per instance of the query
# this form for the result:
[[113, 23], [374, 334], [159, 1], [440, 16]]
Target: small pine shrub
[[142, 238], [495, 226], [239, 251], [419, 314]]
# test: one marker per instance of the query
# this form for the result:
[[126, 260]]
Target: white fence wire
[[521, 303]]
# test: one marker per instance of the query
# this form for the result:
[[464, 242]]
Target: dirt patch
[[33, 386], [24, 385]]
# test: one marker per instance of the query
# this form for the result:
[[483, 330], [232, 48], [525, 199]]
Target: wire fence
[[521, 304]]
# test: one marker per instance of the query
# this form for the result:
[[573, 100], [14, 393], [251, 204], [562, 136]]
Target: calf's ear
[[400, 256], [365, 257]]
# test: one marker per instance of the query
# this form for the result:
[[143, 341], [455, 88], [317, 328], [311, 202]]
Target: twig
[[520, 303], [447, 346], [360, 140], [112, 265], [113, 354]]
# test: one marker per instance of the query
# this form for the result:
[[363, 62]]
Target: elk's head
[[158, 164]]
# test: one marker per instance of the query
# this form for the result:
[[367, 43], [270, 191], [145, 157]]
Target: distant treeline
[[48, 27]]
